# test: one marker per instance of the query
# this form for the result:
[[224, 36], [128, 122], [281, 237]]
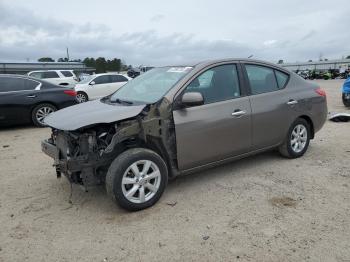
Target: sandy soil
[[263, 208]]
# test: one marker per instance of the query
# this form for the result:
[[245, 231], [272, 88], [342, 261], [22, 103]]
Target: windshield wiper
[[119, 101]]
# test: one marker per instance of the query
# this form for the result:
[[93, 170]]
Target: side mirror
[[92, 83], [192, 99]]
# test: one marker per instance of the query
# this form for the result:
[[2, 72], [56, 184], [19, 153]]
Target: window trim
[[286, 83], [243, 90], [247, 82], [38, 87]]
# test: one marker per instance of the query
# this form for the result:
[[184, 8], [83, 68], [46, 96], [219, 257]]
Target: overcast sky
[[158, 32]]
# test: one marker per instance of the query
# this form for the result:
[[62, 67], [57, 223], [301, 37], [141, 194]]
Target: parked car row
[[24, 99], [99, 85]]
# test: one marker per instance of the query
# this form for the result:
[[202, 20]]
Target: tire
[[40, 112], [82, 97], [346, 101], [301, 143], [121, 179]]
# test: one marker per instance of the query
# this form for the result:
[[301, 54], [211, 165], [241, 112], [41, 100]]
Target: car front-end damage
[[84, 155]]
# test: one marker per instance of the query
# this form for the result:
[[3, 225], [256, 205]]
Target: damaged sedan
[[180, 119]]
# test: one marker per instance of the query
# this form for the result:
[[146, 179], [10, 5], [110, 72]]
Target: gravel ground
[[263, 208]]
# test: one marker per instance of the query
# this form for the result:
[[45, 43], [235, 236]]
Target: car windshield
[[87, 79], [151, 86]]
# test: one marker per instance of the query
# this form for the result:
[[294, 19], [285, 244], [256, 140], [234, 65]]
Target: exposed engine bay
[[84, 155]]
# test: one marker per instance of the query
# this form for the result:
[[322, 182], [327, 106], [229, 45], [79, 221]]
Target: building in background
[[325, 65], [24, 68]]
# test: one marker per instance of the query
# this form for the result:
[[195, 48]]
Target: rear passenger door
[[271, 115]]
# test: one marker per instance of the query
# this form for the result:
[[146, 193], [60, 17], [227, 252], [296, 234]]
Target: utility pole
[[67, 54]]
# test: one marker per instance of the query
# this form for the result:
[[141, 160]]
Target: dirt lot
[[263, 208]]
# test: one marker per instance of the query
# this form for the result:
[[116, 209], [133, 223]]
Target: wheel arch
[[155, 144], [311, 124], [43, 102], [83, 92]]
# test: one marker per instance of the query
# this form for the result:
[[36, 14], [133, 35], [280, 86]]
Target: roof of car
[[26, 77], [209, 62], [51, 70]]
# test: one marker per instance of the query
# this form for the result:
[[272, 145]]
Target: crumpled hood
[[89, 113]]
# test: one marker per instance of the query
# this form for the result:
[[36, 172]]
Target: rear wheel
[[137, 178], [346, 99], [40, 112], [82, 97], [297, 140]]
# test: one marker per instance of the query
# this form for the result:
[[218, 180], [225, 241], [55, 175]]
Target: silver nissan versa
[[180, 119]]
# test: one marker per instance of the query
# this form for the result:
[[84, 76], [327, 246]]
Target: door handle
[[238, 113], [292, 102], [31, 96]]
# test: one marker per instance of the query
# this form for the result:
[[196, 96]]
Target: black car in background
[[24, 99]]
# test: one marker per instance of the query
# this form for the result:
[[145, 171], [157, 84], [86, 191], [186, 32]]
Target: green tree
[[101, 65], [348, 57], [62, 59], [280, 61], [46, 59]]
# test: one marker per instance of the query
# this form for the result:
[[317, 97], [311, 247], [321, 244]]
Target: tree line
[[101, 64]]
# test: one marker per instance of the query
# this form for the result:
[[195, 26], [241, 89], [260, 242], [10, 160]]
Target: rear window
[[282, 79], [36, 75], [49, 74], [261, 79], [67, 73]]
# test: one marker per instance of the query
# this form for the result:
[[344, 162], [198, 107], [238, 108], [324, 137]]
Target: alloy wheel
[[141, 181], [298, 138], [81, 98], [42, 112]]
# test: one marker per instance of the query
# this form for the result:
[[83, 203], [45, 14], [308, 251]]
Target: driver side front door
[[218, 129]]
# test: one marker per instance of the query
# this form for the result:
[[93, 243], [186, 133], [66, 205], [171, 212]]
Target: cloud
[[157, 18], [26, 34]]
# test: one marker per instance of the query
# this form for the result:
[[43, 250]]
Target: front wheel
[[297, 140], [137, 178]]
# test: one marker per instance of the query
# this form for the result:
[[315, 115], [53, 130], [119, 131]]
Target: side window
[[282, 78], [8, 84], [67, 73], [36, 75], [262, 79], [217, 84], [102, 80], [118, 78], [31, 85], [50, 74], [122, 78]]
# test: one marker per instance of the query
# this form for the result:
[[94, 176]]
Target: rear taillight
[[321, 92], [70, 92]]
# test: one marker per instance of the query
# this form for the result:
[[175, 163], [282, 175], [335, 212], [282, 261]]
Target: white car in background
[[99, 85], [58, 77]]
